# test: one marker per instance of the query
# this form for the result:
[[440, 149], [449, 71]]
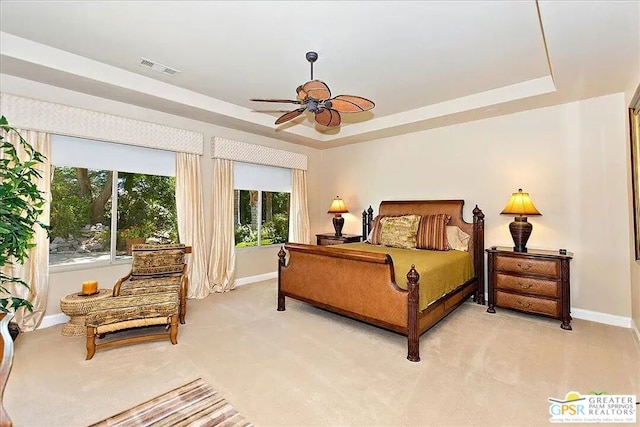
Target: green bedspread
[[440, 271]]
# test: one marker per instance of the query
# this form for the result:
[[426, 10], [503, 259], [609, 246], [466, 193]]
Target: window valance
[[222, 148], [27, 113]]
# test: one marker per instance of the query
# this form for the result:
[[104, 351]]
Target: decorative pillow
[[156, 261], [399, 231], [432, 232], [457, 239]]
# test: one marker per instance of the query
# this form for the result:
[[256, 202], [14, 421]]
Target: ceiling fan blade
[[351, 104], [289, 116], [328, 117], [292, 101], [314, 89]]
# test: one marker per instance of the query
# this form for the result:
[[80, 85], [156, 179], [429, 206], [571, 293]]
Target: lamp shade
[[337, 206], [520, 204]]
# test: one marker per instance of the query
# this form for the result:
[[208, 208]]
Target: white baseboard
[[607, 319], [53, 319], [258, 278], [578, 313]]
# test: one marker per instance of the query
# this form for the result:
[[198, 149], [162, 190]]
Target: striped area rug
[[193, 404]]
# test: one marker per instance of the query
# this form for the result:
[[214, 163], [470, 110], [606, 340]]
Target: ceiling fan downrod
[[312, 57]]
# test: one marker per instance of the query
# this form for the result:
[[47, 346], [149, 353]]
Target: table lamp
[[338, 208], [520, 205]]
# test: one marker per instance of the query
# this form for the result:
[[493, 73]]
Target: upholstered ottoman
[[154, 285], [125, 312]]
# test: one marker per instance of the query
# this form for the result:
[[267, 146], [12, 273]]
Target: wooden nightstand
[[326, 239], [536, 282]]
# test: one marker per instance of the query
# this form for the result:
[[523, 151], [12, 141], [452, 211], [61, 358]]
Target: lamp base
[[338, 222], [520, 231]]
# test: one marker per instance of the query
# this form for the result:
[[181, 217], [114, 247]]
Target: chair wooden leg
[[183, 309], [91, 342], [173, 334]]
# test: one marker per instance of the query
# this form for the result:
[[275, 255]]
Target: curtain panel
[[190, 210], [222, 264], [299, 214], [35, 270]]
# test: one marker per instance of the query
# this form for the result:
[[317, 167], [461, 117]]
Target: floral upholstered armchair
[[157, 269]]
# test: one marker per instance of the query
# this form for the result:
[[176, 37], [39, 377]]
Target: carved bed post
[[413, 338], [281, 255], [367, 219], [478, 252], [364, 225]]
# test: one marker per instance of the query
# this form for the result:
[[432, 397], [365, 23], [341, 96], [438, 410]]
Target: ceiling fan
[[315, 96]]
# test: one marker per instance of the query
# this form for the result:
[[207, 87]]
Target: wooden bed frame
[[362, 285]]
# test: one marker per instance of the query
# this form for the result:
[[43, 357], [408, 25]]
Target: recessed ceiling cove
[[425, 64]]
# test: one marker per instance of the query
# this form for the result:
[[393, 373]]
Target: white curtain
[[190, 210], [299, 214], [222, 264], [35, 270]]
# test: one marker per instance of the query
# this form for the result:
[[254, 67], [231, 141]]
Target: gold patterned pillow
[[157, 261], [432, 232], [399, 231]]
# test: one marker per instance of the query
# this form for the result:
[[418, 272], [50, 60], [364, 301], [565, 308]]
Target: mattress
[[440, 271]]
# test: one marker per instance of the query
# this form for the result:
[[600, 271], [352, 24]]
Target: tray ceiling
[[425, 64]]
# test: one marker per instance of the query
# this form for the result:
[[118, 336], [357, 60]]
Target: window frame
[[259, 228], [114, 259]]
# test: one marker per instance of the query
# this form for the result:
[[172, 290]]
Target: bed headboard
[[432, 207]]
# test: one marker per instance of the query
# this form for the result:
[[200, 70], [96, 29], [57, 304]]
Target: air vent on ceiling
[[158, 67]]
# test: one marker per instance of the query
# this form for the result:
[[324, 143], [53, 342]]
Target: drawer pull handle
[[525, 267], [525, 286], [521, 304]]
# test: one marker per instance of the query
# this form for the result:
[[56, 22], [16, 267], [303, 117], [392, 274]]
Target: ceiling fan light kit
[[315, 96]]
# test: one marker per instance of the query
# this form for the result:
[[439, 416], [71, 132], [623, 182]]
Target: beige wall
[[634, 265], [571, 158], [632, 89], [249, 262]]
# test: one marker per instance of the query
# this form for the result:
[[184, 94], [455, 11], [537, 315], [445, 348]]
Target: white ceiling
[[425, 64]]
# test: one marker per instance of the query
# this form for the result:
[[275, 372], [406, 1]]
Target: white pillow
[[369, 236], [457, 239]]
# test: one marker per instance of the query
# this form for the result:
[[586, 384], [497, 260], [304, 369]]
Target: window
[[261, 204], [98, 187]]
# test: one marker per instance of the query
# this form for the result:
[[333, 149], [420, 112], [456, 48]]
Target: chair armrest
[[116, 287]]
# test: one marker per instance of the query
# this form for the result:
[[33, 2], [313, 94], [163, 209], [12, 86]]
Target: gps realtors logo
[[593, 408]]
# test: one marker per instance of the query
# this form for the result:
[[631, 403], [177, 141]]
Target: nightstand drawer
[[528, 304], [325, 239], [327, 242], [547, 288], [519, 265]]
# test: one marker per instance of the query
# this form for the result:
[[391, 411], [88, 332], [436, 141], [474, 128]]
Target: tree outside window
[[84, 202], [261, 218]]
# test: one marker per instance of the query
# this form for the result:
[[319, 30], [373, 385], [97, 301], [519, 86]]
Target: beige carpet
[[307, 367]]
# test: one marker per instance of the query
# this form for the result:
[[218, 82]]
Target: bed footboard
[[337, 280]]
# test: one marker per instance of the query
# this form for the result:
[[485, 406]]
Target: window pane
[[80, 215], [275, 218], [245, 217], [146, 211]]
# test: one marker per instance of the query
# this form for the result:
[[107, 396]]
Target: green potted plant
[[21, 203]]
